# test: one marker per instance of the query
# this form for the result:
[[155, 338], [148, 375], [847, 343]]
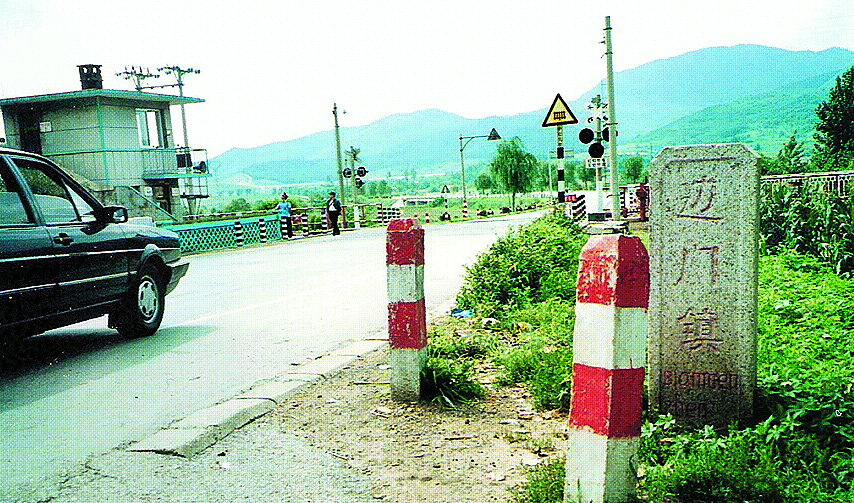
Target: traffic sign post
[[558, 116]]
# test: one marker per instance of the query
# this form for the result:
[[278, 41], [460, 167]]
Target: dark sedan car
[[65, 258]]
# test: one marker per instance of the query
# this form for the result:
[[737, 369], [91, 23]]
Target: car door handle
[[63, 239]]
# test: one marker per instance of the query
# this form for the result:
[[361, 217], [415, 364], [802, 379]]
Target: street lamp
[[492, 136]]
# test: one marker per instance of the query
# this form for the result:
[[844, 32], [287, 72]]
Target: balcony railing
[[175, 163]]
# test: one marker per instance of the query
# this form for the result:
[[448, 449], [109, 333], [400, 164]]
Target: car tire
[[141, 313]]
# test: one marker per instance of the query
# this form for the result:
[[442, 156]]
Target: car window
[[59, 203], [12, 211]]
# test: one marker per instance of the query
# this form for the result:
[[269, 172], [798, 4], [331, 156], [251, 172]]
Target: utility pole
[[137, 75], [179, 73], [338, 153], [612, 124]]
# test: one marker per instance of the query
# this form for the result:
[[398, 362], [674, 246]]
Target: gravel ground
[[339, 440]]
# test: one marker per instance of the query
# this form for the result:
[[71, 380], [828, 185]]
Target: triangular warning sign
[[559, 114]]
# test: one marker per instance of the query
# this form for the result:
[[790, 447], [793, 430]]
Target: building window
[[150, 126]]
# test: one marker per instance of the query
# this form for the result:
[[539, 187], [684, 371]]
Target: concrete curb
[[206, 427]]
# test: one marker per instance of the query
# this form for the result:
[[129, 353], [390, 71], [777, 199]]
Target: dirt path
[[420, 452]]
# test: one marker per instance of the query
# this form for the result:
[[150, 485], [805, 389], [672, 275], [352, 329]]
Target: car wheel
[[141, 313]]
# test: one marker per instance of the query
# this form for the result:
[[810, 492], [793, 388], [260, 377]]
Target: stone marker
[[704, 222]]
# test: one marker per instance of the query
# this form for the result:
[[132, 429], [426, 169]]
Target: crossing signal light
[[361, 171], [586, 135], [347, 172], [606, 134], [596, 150], [359, 182]]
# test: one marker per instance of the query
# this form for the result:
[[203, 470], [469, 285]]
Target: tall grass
[[809, 221]]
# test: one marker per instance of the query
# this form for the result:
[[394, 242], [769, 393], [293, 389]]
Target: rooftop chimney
[[90, 76]]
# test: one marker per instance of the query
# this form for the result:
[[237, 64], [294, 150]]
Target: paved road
[[238, 317]]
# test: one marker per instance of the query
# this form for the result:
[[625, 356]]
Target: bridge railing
[[231, 230]]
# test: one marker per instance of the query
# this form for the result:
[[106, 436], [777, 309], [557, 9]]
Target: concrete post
[[238, 233], [407, 317], [609, 360]]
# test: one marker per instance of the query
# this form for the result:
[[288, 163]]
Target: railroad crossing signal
[[597, 111]]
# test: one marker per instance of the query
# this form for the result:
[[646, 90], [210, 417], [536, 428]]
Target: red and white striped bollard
[[407, 317], [609, 360]]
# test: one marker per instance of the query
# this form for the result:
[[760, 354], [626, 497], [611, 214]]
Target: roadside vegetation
[[799, 447]]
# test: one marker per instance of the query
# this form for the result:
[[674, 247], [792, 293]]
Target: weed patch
[[545, 483]]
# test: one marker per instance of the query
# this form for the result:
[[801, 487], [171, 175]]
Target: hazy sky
[[271, 70]]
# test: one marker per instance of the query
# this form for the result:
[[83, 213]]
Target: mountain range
[[746, 93]]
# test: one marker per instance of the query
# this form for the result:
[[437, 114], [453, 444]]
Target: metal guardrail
[[225, 232], [838, 182]]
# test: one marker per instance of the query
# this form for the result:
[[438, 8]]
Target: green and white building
[[119, 144]]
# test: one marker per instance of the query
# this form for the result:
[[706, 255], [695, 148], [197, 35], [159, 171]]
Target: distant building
[[119, 144]]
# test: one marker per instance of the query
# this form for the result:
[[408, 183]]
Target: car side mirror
[[114, 214]]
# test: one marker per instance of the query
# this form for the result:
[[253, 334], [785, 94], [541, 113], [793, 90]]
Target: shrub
[[531, 264]]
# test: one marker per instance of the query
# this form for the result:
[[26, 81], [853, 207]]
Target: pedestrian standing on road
[[333, 209], [284, 209]]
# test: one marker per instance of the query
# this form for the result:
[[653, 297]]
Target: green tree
[[634, 168], [790, 159], [541, 180], [237, 205], [584, 175], [834, 133], [513, 167], [484, 182]]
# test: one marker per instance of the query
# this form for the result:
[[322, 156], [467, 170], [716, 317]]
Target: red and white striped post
[[609, 360], [407, 317]]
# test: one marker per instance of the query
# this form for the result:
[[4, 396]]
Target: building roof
[[102, 93]]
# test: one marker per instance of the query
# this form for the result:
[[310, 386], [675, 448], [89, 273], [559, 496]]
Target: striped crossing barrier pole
[[465, 209], [561, 194], [262, 229], [304, 223], [407, 317], [282, 227], [238, 233], [609, 360], [426, 218], [325, 222]]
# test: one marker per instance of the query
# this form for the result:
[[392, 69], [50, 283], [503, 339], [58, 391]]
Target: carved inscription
[[697, 199], [704, 256], [700, 330], [687, 410], [701, 380]]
